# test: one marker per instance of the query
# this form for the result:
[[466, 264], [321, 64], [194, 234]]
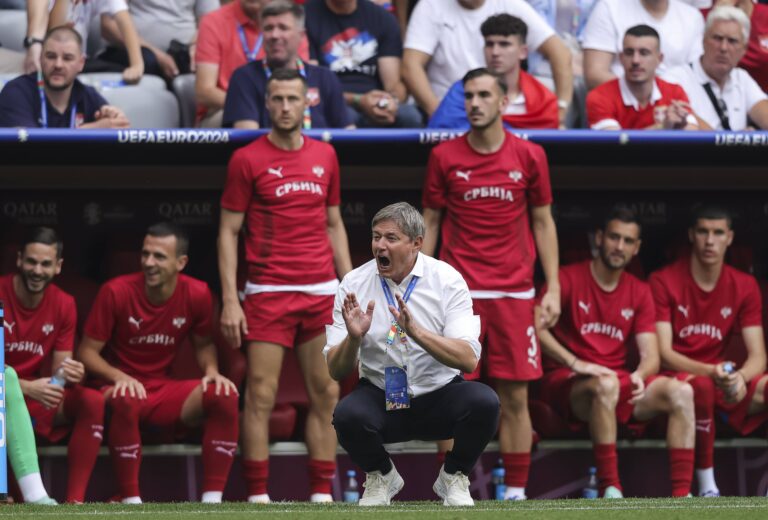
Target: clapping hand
[[358, 321]]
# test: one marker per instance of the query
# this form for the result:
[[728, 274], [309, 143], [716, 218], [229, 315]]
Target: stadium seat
[[104, 81], [5, 78], [13, 29], [146, 107], [184, 88]]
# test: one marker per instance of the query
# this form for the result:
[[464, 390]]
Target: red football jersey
[[142, 338], [486, 231], [31, 335], [285, 195], [755, 61], [702, 322], [605, 103], [595, 324]]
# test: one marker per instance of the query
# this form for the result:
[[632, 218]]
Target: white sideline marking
[[378, 510]]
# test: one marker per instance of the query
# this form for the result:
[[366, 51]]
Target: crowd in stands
[[379, 64]]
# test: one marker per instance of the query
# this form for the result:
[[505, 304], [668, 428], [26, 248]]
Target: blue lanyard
[[307, 118], [250, 54], [406, 296], [44, 106]]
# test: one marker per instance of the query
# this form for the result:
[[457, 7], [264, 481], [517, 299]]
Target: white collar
[[702, 77], [629, 98]]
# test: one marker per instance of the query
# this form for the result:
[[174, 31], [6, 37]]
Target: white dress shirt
[[440, 303], [740, 94]]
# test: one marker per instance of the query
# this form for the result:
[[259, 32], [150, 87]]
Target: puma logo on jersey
[[136, 323], [515, 176], [627, 314], [683, 310], [9, 325], [463, 175], [229, 452], [47, 328], [318, 170], [584, 306], [725, 312], [179, 321], [276, 171]]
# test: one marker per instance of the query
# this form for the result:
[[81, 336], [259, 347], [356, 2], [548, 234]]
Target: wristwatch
[[29, 41]]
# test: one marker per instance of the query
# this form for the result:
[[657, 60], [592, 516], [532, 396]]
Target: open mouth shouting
[[384, 262]]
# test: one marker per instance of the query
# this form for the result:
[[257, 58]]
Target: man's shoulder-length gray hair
[[407, 218]]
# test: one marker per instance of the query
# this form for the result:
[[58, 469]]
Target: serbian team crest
[[313, 96], [79, 119], [349, 49]]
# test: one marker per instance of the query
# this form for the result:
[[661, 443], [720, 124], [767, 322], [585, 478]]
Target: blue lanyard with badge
[[307, 119], [396, 377], [44, 106], [250, 54]]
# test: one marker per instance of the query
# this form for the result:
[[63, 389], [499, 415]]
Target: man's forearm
[[97, 366], [545, 235], [343, 357], [454, 353], [228, 267], [552, 348], [340, 245], [130, 38], [207, 358], [417, 82]]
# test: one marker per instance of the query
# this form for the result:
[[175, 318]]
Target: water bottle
[[497, 478], [351, 491], [732, 390], [59, 377], [591, 490]]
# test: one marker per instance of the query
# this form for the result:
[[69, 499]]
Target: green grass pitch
[[725, 508]]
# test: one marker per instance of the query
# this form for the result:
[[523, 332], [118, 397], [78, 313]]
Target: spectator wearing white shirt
[[443, 42], [724, 96], [680, 26], [406, 320]]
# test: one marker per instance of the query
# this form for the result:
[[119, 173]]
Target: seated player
[[40, 334], [700, 302], [603, 307], [639, 99], [142, 319]]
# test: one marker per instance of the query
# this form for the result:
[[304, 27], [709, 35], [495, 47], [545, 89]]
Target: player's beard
[[486, 125], [605, 258], [27, 281]]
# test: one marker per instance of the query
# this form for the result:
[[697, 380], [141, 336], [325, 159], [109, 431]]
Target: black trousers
[[466, 411]]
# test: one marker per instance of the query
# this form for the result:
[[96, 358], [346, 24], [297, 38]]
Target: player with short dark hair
[[700, 303], [136, 326], [490, 192], [39, 325], [284, 188], [587, 377]]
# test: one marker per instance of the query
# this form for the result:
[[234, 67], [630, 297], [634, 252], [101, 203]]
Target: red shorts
[[556, 390], [287, 318], [42, 417], [510, 346], [165, 398], [736, 414]]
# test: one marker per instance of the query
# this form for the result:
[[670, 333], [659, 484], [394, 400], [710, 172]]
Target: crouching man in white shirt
[[405, 320]]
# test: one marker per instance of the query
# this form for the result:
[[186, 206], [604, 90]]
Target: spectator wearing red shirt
[[531, 104], [700, 303], [587, 377], [40, 334], [228, 38], [135, 328], [639, 100]]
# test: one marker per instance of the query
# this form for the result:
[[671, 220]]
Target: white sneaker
[[379, 489], [321, 498], [453, 489], [259, 499]]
